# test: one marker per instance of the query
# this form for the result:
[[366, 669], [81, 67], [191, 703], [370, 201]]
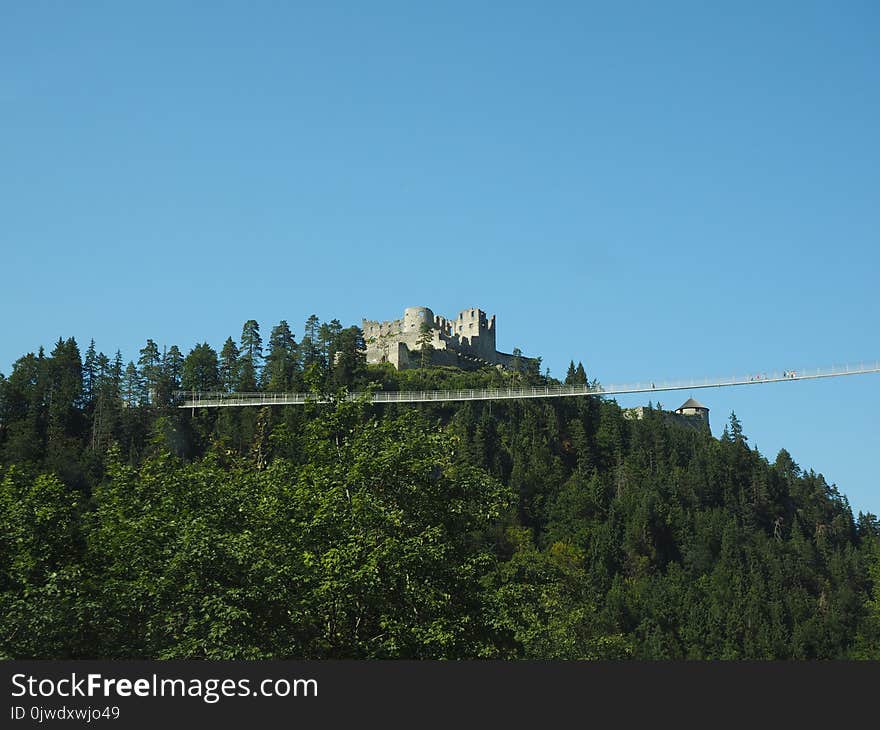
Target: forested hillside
[[131, 528]]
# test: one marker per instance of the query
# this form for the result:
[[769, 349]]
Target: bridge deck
[[196, 399]]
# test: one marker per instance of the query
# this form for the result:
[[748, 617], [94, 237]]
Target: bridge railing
[[204, 399], [745, 379]]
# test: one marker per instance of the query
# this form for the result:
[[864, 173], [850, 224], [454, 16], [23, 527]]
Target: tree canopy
[[519, 529]]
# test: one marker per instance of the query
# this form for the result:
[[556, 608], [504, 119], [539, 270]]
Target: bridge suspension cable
[[217, 399]]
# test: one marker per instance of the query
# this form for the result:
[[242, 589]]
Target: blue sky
[[657, 189]]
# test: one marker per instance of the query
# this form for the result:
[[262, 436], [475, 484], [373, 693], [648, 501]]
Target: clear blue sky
[[657, 189]]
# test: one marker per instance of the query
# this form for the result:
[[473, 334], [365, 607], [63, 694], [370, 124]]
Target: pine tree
[[281, 362], [27, 395], [251, 341], [349, 357], [103, 378], [133, 385], [426, 349], [309, 348], [736, 432], [516, 362], [116, 372], [65, 396], [65, 385], [172, 365], [150, 364], [229, 365], [201, 369], [251, 355], [246, 382], [90, 373], [325, 337], [107, 403]]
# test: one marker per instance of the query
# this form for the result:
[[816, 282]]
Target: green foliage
[[868, 641], [349, 358], [41, 598], [281, 367], [540, 604], [516, 529], [424, 343], [576, 375], [310, 347], [367, 549], [172, 366], [150, 365], [228, 365], [201, 370], [251, 354]]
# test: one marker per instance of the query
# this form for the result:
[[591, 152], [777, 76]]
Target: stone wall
[[697, 420], [468, 339]]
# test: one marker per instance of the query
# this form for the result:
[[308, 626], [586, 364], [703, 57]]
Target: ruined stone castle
[[467, 341]]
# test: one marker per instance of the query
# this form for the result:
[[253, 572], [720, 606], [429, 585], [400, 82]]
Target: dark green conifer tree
[[309, 347], [174, 365], [426, 349], [229, 365], [90, 372], [150, 370], [201, 369], [133, 386], [251, 356], [349, 357], [279, 374]]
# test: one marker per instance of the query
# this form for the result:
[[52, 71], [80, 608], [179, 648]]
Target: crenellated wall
[[467, 339]]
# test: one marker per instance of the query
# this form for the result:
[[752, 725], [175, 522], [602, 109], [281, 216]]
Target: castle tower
[[467, 341], [693, 407], [476, 331], [415, 317]]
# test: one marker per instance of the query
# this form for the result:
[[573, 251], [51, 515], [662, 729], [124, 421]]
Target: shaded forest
[[520, 529]]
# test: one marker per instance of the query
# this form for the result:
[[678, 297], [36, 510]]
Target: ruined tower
[[468, 340]]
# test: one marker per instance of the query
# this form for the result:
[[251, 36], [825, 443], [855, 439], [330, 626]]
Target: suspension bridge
[[217, 399]]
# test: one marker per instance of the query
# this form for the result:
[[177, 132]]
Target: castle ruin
[[467, 341]]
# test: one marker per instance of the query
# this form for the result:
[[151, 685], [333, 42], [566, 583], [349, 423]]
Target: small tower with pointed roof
[[692, 407]]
